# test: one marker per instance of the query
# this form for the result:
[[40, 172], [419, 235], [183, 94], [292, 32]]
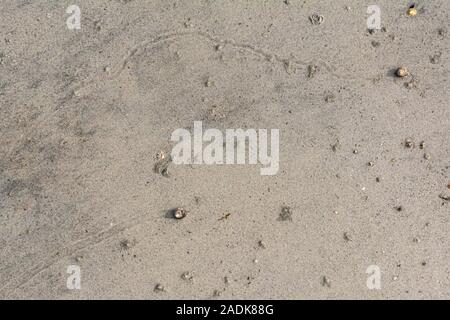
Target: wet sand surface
[[86, 177]]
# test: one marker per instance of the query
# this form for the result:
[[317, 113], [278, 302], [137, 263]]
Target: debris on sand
[[179, 213], [336, 146], [159, 288], [402, 72], [209, 83], [347, 237], [427, 156], [125, 244], [316, 19], [262, 244], [399, 208], [444, 197], [187, 276], [412, 11], [286, 214], [330, 98], [162, 165], [409, 143], [312, 70], [375, 44], [224, 217], [326, 282]]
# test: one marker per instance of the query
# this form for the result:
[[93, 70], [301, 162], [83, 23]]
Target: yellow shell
[[412, 12]]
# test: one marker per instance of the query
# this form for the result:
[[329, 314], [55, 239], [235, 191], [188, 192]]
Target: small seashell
[[179, 213], [402, 72]]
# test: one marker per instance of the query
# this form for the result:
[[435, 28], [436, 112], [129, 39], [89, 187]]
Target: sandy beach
[[357, 208]]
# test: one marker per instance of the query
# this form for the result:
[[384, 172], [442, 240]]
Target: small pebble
[[347, 237], [326, 282], [187, 276], [355, 151], [427, 156], [402, 72], [412, 12], [262, 244], [159, 288], [370, 163], [179, 213], [286, 214], [409, 143], [316, 19]]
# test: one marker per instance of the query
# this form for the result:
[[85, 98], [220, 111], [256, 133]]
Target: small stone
[[424, 263], [312, 70], [330, 98], [435, 59], [125, 244], [326, 282], [378, 179], [255, 260], [316, 19], [107, 69], [375, 44], [395, 278], [416, 240], [409, 143], [427, 156], [335, 212], [219, 47], [370, 163], [262, 244], [355, 151], [399, 208], [209, 83], [159, 288], [422, 145], [286, 214], [187, 276], [217, 293], [412, 12], [347, 237], [402, 72], [179, 213]]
